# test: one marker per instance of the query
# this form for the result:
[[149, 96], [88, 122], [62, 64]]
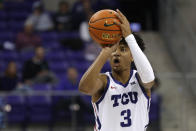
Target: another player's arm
[[144, 69], [93, 81]]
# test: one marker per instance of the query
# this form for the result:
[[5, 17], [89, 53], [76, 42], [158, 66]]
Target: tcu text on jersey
[[124, 98]]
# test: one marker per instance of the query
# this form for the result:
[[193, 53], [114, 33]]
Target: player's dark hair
[[139, 40]]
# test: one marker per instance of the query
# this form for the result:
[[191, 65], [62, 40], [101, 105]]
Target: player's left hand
[[124, 24]]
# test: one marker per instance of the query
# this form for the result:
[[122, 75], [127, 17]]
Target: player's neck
[[122, 76]]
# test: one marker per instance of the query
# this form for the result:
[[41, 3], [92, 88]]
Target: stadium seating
[[49, 36], [39, 106], [9, 56], [18, 15], [36, 109], [52, 45], [25, 55], [64, 35], [18, 110], [55, 56], [15, 26], [58, 66], [3, 25], [18, 6], [3, 15], [6, 36]]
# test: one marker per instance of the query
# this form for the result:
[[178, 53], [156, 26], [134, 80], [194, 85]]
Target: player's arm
[[144, 68], [93, 81]]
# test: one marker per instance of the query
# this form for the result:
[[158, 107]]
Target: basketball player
[[120, 98]]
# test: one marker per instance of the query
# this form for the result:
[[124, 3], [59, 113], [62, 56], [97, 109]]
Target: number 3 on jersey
[[127, 120]]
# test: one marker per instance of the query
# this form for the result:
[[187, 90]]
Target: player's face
[[121, 58]]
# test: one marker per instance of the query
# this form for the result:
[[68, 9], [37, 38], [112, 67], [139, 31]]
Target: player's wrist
[[130, 38], [105, 53], [126, 34]]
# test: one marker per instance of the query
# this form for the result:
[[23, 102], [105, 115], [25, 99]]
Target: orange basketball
[[102, 28]]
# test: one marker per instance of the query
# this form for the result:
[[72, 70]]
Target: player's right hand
[[124, 24], [107, 50]]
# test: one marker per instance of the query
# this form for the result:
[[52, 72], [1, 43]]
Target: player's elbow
[[83, 88], [148, 77], [149, 84]]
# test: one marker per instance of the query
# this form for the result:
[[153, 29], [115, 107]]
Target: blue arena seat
[[53, 45], [60, 66], [17, 6], [38, 101], [18, 15], [9, 56], [3, 26], [2, 65], [64, 35], [15, 25], [39, 109], [3, 15], [75, 55], [41, 87], [6, 36], [55, 56], [49, 36], [26, 55], [81, 66], [39, 105], [18, 112]]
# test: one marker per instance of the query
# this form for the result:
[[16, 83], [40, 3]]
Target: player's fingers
[[119, 17], [118, 42], [123, 17], [120, 13], [117, 23], [115, 46]]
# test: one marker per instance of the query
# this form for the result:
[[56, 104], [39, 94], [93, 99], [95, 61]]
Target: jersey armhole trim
[[142, 88], [104, 93]]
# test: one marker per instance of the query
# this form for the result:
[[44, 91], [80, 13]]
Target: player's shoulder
[[104, 77], [108, 75]]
